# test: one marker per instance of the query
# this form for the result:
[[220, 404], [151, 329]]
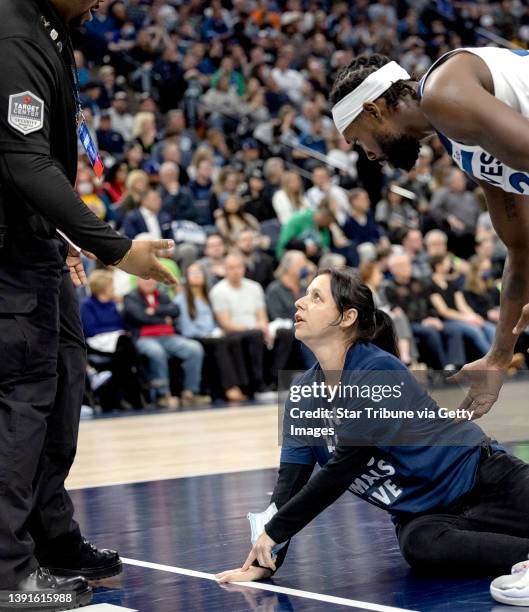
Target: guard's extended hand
[[75, 264], [142, 261], [485, 380], [239, 574], [262, 551]]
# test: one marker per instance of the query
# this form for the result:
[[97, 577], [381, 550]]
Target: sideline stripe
[[341, 601]]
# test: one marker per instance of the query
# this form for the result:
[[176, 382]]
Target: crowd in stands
[[213, 122]]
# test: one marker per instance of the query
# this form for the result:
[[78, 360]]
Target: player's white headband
[[371, 88]]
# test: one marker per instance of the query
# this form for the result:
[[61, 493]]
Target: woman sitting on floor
[[457, 499]]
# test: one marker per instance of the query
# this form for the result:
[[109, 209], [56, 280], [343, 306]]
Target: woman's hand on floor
[[252, 574]]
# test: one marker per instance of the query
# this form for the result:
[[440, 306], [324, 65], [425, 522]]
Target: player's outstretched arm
[[510, 217]]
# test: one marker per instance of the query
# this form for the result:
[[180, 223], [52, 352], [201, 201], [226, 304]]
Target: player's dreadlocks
[[360, 68]]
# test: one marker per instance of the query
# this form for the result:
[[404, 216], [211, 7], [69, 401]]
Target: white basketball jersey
[[510, 74]]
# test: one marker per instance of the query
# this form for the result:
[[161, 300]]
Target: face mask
[[85, 188]]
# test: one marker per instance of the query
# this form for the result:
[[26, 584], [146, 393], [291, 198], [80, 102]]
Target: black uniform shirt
[[38, 132]]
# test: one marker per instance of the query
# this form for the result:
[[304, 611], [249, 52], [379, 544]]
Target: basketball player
[[477, 101]]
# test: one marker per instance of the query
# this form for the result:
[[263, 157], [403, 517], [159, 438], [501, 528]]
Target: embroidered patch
[[26, 112]]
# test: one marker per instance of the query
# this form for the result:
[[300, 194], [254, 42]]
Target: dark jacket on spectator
[[180, 206], [100, 317], [413, 298], [134, 224], [134, 314]]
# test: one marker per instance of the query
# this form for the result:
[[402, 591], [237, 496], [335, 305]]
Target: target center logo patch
[[26, 112]]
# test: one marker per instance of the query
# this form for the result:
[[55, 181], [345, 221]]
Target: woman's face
[[377, 277], [231, 205], [195, 276], [139, 185], [316, 312], [230, 184]]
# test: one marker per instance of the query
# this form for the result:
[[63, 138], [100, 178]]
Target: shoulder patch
[[26, 112]]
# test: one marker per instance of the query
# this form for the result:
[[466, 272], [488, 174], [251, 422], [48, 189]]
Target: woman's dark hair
[[372, 324], [356, 72], [435, 260], [190, 296]]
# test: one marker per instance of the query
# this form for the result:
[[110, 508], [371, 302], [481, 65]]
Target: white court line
[[341, 601]]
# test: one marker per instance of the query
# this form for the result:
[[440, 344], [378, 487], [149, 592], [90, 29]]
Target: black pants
[[484, 533], [224, 365], [42, 367], [252, 343]]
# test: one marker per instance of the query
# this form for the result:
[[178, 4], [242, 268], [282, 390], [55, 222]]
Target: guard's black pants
[[482, 534], [42, 368]]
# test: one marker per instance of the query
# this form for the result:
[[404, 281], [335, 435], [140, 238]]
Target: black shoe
[[80, 558], [42, 591]]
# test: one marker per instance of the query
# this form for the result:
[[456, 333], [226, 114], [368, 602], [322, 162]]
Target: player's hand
[[252, 574], [262, 551], [75, 264], [523, 321], [484, 379], [142, 261]]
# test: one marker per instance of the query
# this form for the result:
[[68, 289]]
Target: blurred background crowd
[[213, 122]]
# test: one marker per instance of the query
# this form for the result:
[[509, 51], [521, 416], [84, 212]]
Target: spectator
[[201, 188], [231, 220], [109, 140], [145, 133], [151, 316], [450, 305], [274, 170], [213, 261], [177, 201], [395, 213], [239, 306], [290, 198], [254, 197], [114, 184], [293, 276], [137, 184], [413, 246], [108, 341], [259, 266], [226, 364], [122, 120], [322, 187], [307, 231], [371, 274], [148, 218], [456, 211], [440, 346]]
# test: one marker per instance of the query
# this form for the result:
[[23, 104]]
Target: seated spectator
[[290, 198], [177, 201], [148, 218], [395, 213], [360, 226], [259, 266], [436, 243], [122, 119], [239, 305], [201, 188], [151, 316], [440, 346], [227, 183], [480, 290], [115, 180], [105, 335], [253, 197], [371, 274], [213, 261], [322, 187], [307, 231], [94, 197], [108, 139], [274, 170], [136, 185], [450, 305], [145, 132], [231, 219], [197, 321], [420, 262], [456, 211]]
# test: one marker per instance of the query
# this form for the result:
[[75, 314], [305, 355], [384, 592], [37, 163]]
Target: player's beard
[[401, 151]]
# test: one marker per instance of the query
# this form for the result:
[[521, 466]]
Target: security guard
[[42, 351]]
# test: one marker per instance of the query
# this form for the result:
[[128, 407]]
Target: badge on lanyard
[[90, 147]]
